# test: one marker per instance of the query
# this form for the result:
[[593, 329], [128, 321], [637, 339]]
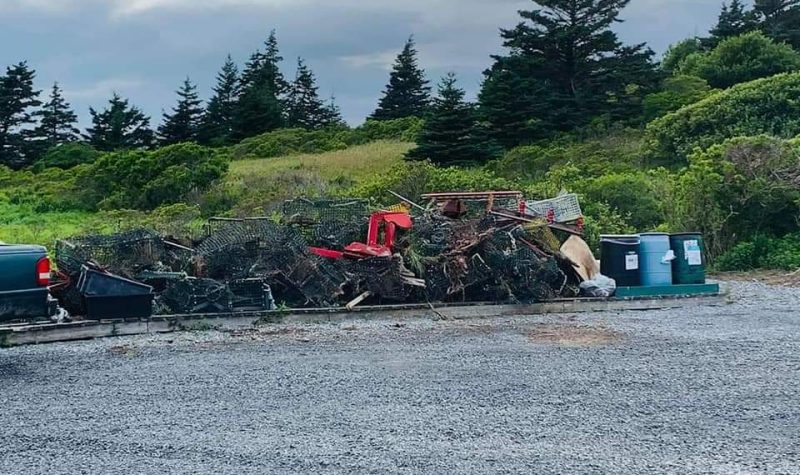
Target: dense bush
[[600, 219], [616, 203], [146, 180], [765, 106], [285, 142], [67, 156], [739, 189], [762, 252], [677, 92], [631, 195], [609, 151], [49, 191], [678, 52], [412, 179], [405, 130], [292, 141], [741, 59]]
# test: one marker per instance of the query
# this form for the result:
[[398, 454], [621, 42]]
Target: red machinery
[[385, 221]]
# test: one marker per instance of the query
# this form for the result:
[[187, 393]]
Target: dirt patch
[[264, 333], [124, 350], [573, 336], [786, 279]]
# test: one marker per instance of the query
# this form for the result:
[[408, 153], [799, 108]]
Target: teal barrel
[[656, 263], [689, 267], [619, 259]]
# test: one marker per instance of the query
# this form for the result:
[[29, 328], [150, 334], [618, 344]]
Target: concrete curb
[[33, 334]]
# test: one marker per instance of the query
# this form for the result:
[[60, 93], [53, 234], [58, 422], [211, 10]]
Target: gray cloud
[[144, 48]]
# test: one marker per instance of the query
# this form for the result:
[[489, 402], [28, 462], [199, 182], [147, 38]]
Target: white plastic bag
[[600, 286]]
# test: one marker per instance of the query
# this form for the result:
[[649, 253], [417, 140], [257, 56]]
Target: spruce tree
[[407, 93], [332, 114], [252, 70], [734, 20], [57, 120], [780, 20], [17, 99], [260, 106], [510, 102], [119, 126], [184, 122], [56, 124], [451, 134], [217, 124], [567, 67], [303, 105]]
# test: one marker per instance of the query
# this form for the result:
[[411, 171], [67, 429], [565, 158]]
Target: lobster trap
[[562, 209], [127, 253], [259, 248], [329, 224]]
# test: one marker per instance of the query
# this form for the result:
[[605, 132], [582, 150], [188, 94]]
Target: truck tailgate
[[21, 295]]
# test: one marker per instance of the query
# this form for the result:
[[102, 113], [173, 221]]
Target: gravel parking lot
[[700, 391]]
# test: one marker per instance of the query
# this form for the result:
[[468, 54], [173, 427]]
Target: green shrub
[[678, 91], [413, 179], [743, 257], [784, 253], [292, 142], [741, 59], [739, 189], [602, 219], [286, 142], [765, 106], [613, 151], [678, 52], [66, 156], [631, 195], [528, 162], [50, 191], [762, 253], [406, 130], [145, 180]]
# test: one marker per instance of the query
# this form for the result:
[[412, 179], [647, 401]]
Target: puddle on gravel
[[573, 336]]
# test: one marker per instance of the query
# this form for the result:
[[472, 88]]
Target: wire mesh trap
[[251, 263]]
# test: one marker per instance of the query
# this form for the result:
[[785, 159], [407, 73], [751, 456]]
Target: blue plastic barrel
[[656, 255]]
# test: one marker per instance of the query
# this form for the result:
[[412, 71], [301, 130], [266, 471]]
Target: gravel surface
[[700, 391]]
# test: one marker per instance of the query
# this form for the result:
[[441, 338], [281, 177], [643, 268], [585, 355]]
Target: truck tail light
[[43, 272]]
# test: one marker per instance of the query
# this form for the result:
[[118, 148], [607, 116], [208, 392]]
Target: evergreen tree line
[[563, 69], [777, 19], [255, 101]]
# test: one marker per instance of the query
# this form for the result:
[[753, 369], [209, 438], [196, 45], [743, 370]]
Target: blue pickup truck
[[24, 278]]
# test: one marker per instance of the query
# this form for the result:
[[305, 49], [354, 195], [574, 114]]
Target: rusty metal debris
[[485, 250]]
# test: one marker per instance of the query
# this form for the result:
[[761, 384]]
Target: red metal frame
[[386, 220]]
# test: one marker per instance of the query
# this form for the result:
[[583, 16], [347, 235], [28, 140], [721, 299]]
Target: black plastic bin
[[111, 296], [112, 307], [620, 259]]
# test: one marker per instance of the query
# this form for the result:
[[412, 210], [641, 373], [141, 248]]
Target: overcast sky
[[143, 49]]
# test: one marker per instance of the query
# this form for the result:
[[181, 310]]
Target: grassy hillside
[[19, 224], [254, 186], [354, 163], [250, 187]]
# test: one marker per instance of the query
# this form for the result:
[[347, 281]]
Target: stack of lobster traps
[[480, 247]]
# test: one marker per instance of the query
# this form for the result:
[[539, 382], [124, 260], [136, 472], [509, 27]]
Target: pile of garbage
[[479, 247]]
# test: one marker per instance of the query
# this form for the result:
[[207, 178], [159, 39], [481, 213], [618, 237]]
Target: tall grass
[[20, 224], [354, 163], [251, 187], [254, 187]]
